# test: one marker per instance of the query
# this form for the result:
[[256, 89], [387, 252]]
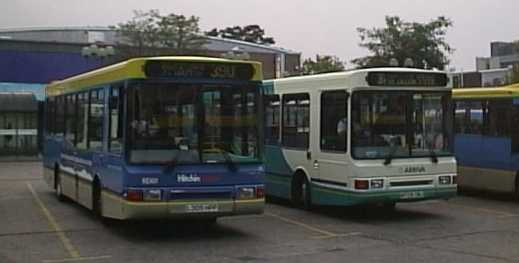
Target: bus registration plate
[[412, 195], [202, 208]]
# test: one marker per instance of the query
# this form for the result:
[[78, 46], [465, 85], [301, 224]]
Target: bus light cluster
[[364, 184], [447, 179], [250, 192], [144, 195]]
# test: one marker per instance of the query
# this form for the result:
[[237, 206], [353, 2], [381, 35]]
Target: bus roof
[[131, 69], [490, 92], [356, 75]]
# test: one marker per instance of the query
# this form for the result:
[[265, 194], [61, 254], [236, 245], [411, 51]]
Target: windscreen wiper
[[389, 156], [434, 157]]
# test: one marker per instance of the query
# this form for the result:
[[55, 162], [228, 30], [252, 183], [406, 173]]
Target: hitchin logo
[[414, 169], [188, 178]]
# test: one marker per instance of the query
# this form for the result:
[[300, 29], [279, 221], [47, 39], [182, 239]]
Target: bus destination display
[[406, 79], [228, 71]]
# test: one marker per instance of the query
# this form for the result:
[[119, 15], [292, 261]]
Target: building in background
[[19, 114], [502, 55], [497, 70]]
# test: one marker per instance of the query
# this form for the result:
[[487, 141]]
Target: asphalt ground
[[36, 227]]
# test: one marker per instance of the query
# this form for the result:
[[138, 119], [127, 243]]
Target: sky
[[325, 27]]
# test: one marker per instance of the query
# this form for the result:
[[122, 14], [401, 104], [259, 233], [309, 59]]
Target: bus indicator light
[[260, 192], [134, 195], [362, 184]]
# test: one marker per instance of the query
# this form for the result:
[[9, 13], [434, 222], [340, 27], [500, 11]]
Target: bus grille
[[411, 183]]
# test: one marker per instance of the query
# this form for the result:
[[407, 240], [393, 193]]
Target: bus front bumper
[[333, 197], [119, 208]]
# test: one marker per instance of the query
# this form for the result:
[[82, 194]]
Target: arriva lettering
[[414, 169]]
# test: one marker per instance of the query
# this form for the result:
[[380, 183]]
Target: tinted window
[[96, 120], [272, 123], [334, 121], [296, 120], [70, 120], [116, 105], [82, 120]]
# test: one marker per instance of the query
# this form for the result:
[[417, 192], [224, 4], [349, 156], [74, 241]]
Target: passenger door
[[330, 157]]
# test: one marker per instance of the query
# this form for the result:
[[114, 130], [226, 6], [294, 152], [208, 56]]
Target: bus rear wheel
[[58, 186], [97, 203]]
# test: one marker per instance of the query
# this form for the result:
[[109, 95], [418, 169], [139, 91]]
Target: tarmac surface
[[36, 227]]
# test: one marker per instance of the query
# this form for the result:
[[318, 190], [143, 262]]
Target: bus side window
[[272, 107], [82, 121], [96, 120], [115, 137], [334, 121], [60, 116], [296, 120]]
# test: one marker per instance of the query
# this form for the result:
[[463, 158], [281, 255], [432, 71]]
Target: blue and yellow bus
[[370, 136], [487, 138], [159, 137]]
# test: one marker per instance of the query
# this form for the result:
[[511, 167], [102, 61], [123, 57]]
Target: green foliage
[[149, 30], [424, 43], [249, 33], [322, 64]]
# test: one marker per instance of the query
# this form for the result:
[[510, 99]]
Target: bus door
[[330, 158]]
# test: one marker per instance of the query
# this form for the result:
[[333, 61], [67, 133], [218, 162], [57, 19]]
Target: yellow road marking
[[74, 254], [303, 225], [339, 235], [76, 259]]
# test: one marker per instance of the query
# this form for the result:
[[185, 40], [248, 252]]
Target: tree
[[322, 64], [180, 32], [141, 31], [424, 44], [249, 33], [149, 30]]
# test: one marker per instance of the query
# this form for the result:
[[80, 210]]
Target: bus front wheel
[[301, 194]]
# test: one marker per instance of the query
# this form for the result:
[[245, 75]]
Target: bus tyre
[[301, 196], [517, 187], [58, 186], [97, 203]]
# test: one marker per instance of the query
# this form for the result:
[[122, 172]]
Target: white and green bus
[[370, 136]]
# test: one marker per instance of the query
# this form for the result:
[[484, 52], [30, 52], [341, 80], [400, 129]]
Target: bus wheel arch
[[301, 190]]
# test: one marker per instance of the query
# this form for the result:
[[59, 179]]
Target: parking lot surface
[[36, 227]]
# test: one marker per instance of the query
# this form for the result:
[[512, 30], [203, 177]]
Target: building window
[[334, 121], [296, 120]]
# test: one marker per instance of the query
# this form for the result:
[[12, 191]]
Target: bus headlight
[[152, 195], [445, 179], [377, 183]]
